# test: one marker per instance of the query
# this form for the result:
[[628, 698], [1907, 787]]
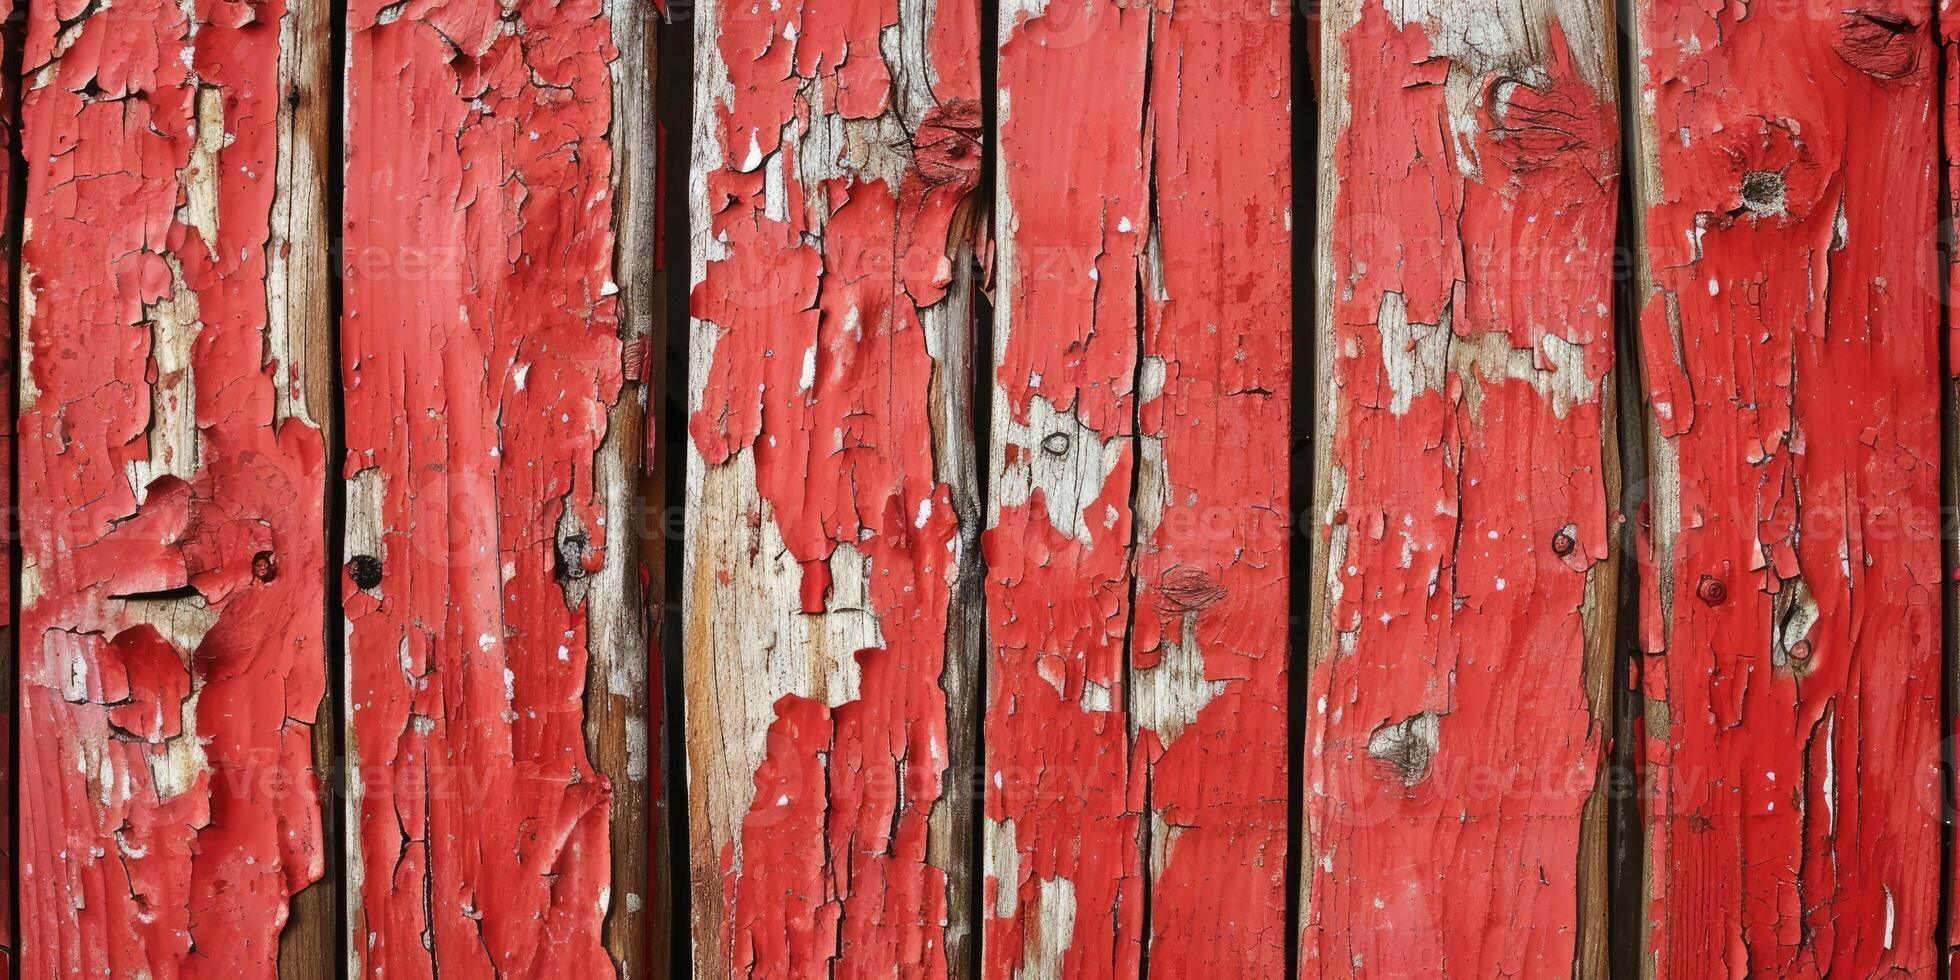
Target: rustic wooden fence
[[940, 488]]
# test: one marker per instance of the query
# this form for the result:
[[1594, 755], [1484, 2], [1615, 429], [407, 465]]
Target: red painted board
[[1791, 608], [1462, 600], [496, 654], [830, 486], [12, 33], [1137, 559], [172, 480]]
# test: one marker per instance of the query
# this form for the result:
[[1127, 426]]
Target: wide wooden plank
[[172, 474], [1464, 565], [492, 349], [1137, 559], [1787, 189], [830, 486]]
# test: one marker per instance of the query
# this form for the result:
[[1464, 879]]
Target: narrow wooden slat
[[13, 18], [496, 643], [1464, 568], [1949, 41], [1137, 559], [621, 689], [1787, 195], [172, 477], [830, 488]]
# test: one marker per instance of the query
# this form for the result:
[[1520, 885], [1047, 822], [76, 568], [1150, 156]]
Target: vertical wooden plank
[[172, 476], [830, 486], [1136, 716], [495, 637], [621, 688], [1787, 176], [1949, 225], [1464, 571], [13, 18]]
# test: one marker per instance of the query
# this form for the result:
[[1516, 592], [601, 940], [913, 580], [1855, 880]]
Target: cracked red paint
[[831, 210], [481, 355], [1790, 338], [1452, 746], [1136, 724], [11, 35], [167, 693]]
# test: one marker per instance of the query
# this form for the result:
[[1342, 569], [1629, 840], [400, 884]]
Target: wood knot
[[1185, 589], [1406, 747], [572, 556], [1539, 121], [265, 567], [1711, 590], [1055, 444], [1763, 194], [946, 147], [365, 570], [1880, 43]]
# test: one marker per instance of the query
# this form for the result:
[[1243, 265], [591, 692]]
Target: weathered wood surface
[[13, 17], [1791, 617], [985, 672], [831, 487], [1137, 558], [496, 644], [172, 476], [1464, 564]]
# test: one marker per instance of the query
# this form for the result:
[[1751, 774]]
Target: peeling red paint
[[1790, 339], [167, 692], [1136, 724], [11, 36], [820, 301], [1452, 746], [481, 355]]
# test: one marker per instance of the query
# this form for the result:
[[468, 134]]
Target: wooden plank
[[13, 22], [492, 336], [1137, 559], [1464, 568], [1949, 224], [830, 486], [172, 476], [1787, 188], [623, 690]]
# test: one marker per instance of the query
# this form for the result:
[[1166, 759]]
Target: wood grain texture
[[622, 689], [830, 486], [496, 642], [1136, 723], [1464, 566], [1792, 610], [172, 478]]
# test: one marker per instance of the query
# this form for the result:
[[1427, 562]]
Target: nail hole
[[1564, 541], [265, 568], [365, 570], [1711, 590]]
